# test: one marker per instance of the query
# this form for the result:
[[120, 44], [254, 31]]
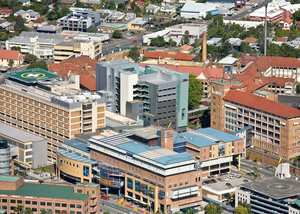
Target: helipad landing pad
[[32, 75]]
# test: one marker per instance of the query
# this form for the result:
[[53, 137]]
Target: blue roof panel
[[176, 158], [204, 137], [78, 144], [219, 135], [135, 147]]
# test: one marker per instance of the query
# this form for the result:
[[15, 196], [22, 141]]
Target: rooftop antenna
[[266, 26]]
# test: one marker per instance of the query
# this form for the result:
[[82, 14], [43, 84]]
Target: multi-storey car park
[[270, 195], [37, 101]]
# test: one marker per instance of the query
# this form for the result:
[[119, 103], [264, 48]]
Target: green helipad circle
[[33, 75]]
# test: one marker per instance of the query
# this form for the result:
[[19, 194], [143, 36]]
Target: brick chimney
[[166, 138], [204, 47]]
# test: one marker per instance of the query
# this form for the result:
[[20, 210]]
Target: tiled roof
[[5, 10], [252, 77], [83, 66], [10, 55], [168, 54], [252, 101]]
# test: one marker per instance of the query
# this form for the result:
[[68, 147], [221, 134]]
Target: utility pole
[[266, 26]]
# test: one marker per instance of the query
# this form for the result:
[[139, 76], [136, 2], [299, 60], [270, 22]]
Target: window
[[42, 203], [137, 186], [57, 204], [13, 201], [129, 183], [34, 203], [27, 202], [4, 200], [72, 205], [49, 204], [64, 205], [78, 206]]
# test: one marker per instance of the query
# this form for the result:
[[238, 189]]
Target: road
[[121, 44], [245, 11], [249, 166], [114, 208]]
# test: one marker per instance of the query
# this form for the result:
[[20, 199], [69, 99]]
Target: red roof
[[83, 66], [261, 104], [168, 54], [5, 11], [10, 55], [252, 77]]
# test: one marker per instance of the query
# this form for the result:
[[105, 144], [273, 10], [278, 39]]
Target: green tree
[[158, 42], [213, 209], [242, 209], [28, 211], [10, 63], [92, 29], [19, 209], [117, 34], [298, 88], [185, 38], [121, 7], [106, 212], [111, 5], [38, 64], [195, 92], [29, 58], [134, 54], [20, 25], [172, 43]]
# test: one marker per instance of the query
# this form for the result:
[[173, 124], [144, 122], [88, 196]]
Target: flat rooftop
[[204, 137], [275, 188], [18, 134], [32, 75], [124, 144], [5, 178], [78, 143], [46, 191], [147, 133]]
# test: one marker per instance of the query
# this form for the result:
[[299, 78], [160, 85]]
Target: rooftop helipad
[[32, 75]]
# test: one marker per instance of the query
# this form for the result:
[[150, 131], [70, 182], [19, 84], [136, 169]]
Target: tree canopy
[[134, 54], [195, 92], [213, 209], [117, 34], [242, 209]]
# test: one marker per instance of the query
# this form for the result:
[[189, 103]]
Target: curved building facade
[[73, 167], [4, 158]]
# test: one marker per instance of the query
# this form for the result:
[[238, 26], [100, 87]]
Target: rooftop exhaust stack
[[204, 47], [166, 138]]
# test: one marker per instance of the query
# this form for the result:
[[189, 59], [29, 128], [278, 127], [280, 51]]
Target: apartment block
[[215, 151], [155, 177], [39, 44], [270, 195], [87, 12], [30, 150], [37, 101], [53, 198], [155, 94], [75, 22]]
